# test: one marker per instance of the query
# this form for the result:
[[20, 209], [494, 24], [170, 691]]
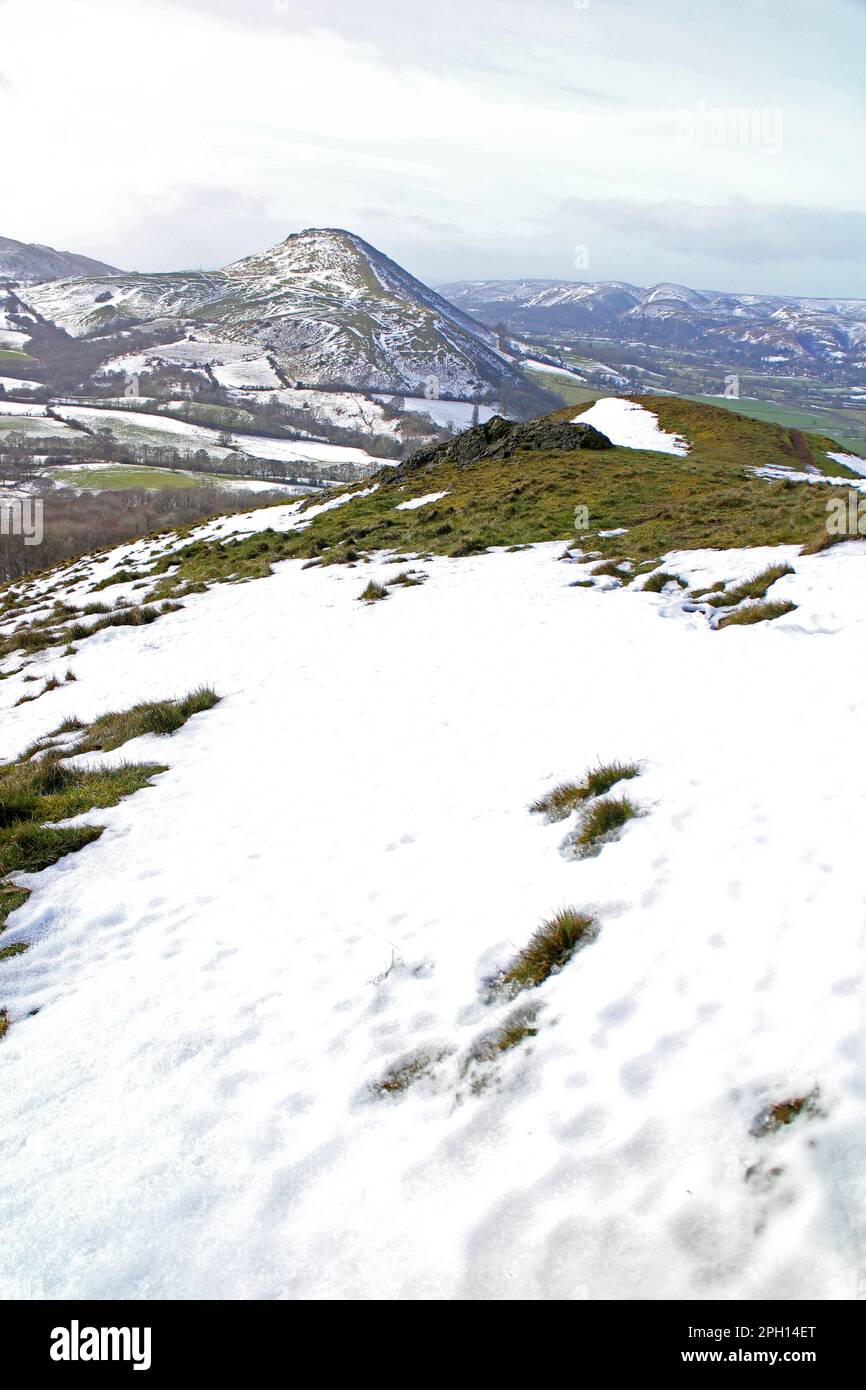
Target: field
[[126, 476], [847, 426]]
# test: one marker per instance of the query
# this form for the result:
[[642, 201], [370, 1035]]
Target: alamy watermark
[[23, 517], [847, 516], [77, 1343], [723, 127]]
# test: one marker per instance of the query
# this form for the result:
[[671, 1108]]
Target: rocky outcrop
[[499, 439]]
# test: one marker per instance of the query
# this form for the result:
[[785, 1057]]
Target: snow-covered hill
[[328, 308], [267, 1037], [217, 990], [29, 263], [830, 331]]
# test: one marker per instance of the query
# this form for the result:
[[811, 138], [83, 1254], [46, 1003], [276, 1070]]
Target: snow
[[136, 424], [416, 502], [21, 408], [447, 414], [631, 426], [14, 383], [852, 461], [222, 974], [257, 374], [537, 366], [9, 338]]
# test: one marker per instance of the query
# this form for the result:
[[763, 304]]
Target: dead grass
[[567, 796], [551, 947], [757, 613], [656, 582], [374, 593], [785, 1112], [402, 1075], [600, 822], [756, 587]]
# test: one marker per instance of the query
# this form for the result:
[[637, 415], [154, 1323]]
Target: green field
[[847, 427], [14, 355], [569, 391], [126, 476]]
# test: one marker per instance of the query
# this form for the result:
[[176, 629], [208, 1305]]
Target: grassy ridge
[[710, 498]]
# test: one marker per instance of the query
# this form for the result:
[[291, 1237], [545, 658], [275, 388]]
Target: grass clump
[[656, 582], [515, 1029], [757, 613], [599, 824], [121, 576], [552, 947], [614, 569], [401, 1075], [160, 717], [373, 593], [756, 587], [4, 1023], [16, 949], [408, 579], [11, 898], [775, 1117], [29, 849], [597, 781]]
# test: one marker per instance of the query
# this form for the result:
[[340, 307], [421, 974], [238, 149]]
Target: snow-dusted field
[[139, 427], [448, 414], [339, 855], [14, 383]]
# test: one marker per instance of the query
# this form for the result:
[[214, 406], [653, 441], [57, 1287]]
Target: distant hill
[[29, 263], [324, 306], [749, 327]]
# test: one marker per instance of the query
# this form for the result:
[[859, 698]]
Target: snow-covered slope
[[328, 307], [29, 263], [188, 1089]]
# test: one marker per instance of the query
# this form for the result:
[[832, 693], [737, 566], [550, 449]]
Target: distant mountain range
[[28, 263], [748, 327], [327, 309]]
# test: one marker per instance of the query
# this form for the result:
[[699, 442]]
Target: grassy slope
[[710, 498], [848, 425]]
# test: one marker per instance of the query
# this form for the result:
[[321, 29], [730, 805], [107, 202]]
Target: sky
[[719, 145]]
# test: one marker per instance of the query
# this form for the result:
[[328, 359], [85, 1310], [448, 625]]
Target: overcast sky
[[717, 144]]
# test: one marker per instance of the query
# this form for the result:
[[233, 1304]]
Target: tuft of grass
[[515, 1029], [120, 576], [756, 587], [29, 849], [401, 1075], [784, 1112], [599, 824], [408, 579], [757, 613], [552, 947], [656, 582], [16, 949], [597, 781], [161, 717], [4, 1023], [616, 569], [11, 898], [373, 593]]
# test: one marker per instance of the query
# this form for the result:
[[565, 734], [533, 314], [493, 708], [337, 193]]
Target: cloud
[[737, 230], [409, 220], [202, 226]]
